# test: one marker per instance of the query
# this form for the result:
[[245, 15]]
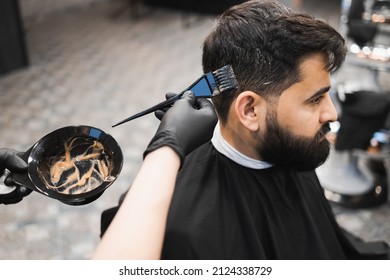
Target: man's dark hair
[[265, 42]]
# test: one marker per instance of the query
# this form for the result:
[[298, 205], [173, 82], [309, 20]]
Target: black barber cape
[[222, 210]]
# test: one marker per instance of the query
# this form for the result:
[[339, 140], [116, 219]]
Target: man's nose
[[329, 112]]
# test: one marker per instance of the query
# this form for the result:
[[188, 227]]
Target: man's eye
[[317, 100]]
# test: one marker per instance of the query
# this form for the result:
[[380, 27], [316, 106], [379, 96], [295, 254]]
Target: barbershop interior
[[92, 63]]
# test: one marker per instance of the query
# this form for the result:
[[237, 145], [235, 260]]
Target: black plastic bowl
[[74, 164]]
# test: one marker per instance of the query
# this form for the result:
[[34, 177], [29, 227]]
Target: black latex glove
[[185, 126], [10, 193]]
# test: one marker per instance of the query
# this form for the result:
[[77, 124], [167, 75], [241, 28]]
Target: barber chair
[[356, 174]]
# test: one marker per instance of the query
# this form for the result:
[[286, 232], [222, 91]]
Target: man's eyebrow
[[320, 92]]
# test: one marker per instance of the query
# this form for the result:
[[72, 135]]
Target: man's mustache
[[323, 131]]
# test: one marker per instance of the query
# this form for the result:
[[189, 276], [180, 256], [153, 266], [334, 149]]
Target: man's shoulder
[[200, 158]]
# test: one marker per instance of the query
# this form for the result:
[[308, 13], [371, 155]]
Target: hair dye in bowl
[[79, 165]]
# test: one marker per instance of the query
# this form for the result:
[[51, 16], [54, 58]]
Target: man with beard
[[252, 192]]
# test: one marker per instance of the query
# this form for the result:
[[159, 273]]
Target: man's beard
[[282, 147]]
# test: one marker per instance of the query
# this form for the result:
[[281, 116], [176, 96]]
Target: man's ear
[[249, 107]]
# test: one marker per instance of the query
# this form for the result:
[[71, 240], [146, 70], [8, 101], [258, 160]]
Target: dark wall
[[202, 6], [13, 53]]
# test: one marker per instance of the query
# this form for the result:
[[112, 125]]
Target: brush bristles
[[225, 78]]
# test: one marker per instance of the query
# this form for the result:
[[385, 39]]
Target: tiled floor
[[95, 67]]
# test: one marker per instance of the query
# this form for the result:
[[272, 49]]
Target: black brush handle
[[158, 106]]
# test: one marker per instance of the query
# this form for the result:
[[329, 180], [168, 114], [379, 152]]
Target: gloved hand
[[188, 124], [9, 192], [160, 113]]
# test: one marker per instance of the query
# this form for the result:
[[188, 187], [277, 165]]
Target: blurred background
[[95, 62]]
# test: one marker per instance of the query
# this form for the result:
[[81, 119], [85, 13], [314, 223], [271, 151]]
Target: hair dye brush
[[208, 85]]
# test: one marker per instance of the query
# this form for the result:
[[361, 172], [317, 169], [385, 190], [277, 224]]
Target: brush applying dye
[[207, 86]]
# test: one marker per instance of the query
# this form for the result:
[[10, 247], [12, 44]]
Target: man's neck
[[225, 147]]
